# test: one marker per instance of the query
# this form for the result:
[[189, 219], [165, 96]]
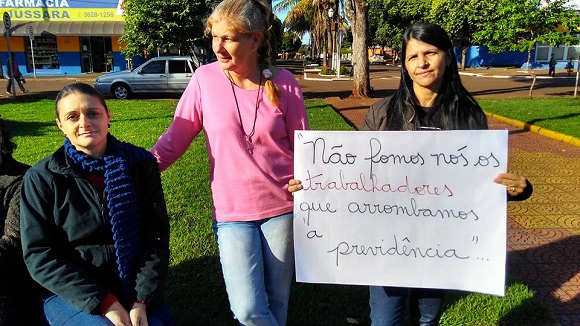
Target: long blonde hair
[[247, 17]]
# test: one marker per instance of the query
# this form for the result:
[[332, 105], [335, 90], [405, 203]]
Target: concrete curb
[[462, 73], [511, 76], [305, 77], [539, 130]]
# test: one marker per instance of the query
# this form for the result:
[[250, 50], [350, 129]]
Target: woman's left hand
[[294, 185], [138, 314], [515, 183]]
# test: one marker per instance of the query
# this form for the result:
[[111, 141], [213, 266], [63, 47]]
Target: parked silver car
[[169, 74]]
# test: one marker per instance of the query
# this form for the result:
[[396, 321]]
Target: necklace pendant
[[249, 145]]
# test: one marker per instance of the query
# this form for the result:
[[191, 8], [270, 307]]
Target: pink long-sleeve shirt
[[245, 186]]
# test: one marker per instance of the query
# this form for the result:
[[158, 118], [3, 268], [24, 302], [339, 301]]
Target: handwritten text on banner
[[411, 209]]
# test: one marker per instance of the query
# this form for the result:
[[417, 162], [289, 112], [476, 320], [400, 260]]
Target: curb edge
[[539, 130]]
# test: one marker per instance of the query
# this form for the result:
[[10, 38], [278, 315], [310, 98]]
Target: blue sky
[[282, 16]]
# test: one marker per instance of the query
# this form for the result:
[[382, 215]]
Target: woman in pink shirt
[[248, 111]]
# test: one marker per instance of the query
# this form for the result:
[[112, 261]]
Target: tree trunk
[[356, 12], [327, 44], [463, 55], [273, 50], [531, 73]]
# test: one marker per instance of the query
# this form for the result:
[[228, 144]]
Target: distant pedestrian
[[15, 71], [351, 72], [552, 66], [570, 66]]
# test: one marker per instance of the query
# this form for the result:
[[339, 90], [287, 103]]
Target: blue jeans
[[59, 312], [388, 305], [257, 260]]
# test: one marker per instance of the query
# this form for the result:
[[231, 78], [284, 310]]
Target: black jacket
[[17, 290], [67, 240]]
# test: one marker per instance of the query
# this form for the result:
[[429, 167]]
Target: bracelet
[[140, 301]]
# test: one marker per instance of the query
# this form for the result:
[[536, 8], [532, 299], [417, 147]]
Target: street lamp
[[330, 36]]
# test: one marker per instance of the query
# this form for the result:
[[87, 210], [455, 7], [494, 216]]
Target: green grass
[[195, 290], [561, 115]]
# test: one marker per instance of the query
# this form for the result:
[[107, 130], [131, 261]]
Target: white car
[[169, 74], [377, 59]]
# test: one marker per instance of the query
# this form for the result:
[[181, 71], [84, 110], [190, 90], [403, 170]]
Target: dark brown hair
[[80, 88]]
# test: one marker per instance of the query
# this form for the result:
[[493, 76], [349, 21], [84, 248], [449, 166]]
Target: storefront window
[[45, 53], [542, 52], [573, 52], [561, 53]]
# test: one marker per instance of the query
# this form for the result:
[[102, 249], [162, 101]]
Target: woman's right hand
[[118, 315], [294, 185]]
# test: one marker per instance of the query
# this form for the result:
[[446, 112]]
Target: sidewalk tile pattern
[[544, 231]]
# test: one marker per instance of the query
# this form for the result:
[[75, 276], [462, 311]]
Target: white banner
[[410, 209]]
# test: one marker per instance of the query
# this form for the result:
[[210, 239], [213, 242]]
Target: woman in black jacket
[[95, 231], [17, 290], [430, 97]]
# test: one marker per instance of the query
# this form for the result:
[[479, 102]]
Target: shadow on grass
[[531, 312], [197, 296], [560, 117], [328, 304], [23, 129], [196, 293]]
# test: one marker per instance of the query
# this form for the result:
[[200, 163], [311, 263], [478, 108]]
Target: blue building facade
[[479, 56]]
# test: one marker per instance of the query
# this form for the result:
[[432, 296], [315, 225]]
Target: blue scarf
[[121, 201]]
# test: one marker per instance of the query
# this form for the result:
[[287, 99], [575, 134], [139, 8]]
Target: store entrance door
[[94, 53]]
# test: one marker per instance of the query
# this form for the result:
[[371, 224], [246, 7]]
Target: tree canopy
[[518, 25], [389, 18], [153, 24], [500, 25]]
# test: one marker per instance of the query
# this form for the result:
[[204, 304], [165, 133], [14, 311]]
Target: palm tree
[[308, 16], [312, 16]]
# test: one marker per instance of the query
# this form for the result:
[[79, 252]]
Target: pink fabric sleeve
[[187, 123]]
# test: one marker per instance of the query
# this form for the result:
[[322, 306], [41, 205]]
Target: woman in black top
[[430, 97], [95, 231]]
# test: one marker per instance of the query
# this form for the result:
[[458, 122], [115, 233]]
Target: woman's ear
[[257, 39]]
